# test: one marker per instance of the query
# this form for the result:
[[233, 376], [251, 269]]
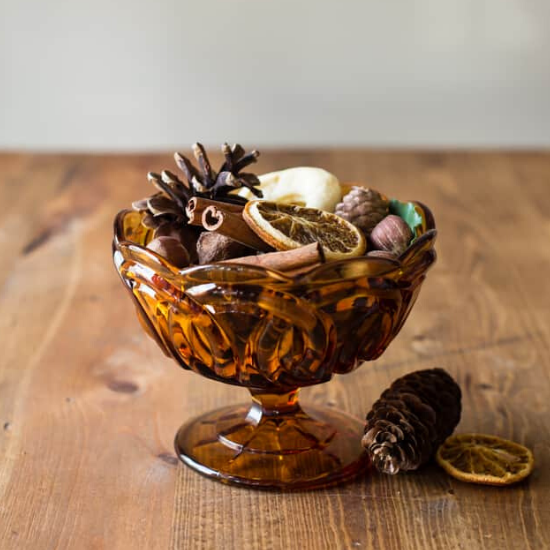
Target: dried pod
[[392, 234], [171, 249], [214, 247]]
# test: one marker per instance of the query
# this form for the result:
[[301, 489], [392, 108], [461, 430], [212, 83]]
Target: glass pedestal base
[[274, 444]]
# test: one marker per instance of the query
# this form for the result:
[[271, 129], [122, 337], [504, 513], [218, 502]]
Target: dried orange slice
[[485, 459], [287, 226]]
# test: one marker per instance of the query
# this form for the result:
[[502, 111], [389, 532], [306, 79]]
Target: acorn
[[171, 250], [392, 234]]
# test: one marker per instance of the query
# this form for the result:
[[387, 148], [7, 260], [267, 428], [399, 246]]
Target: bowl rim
[[385, 265]]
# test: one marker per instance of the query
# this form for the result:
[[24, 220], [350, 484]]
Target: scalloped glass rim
[[378, 267]]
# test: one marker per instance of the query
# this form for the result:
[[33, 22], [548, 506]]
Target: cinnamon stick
[[196, 206], [231, 224], [287, 260]]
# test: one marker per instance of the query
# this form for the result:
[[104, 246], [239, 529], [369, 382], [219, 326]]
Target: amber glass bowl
[[272, 334]]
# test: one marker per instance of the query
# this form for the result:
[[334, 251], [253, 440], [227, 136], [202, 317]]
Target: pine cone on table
[[363, 207], [411, 419]]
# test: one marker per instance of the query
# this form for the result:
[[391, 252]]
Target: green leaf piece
[[407, 211]]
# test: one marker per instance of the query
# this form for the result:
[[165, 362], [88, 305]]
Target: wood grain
[[89, 406]]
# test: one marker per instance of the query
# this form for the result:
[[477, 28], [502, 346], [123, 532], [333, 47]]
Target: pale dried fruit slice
[[286, 226], [485, 459], [303, 186]]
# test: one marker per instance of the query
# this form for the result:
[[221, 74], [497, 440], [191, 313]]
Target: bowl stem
[[274, 443], [273, 404]]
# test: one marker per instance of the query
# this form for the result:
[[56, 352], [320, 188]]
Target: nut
[[171, 250], [187, 235], [392, 234]]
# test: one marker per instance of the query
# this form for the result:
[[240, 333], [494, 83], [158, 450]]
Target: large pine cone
[[363, 207], [411, 419], [168, 205]]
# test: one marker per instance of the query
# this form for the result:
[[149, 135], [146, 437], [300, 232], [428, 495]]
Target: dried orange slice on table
[[287, 226], [485, 459]]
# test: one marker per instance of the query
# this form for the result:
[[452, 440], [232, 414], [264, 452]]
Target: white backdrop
[[130, 74]]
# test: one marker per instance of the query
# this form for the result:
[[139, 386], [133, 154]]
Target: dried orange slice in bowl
[[286, 226], [485, 459]]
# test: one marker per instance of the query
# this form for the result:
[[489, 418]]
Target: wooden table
[[89, 406]]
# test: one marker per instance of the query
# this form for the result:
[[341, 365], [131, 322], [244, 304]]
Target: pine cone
[[411, 419], [363, 207], [168, 205]]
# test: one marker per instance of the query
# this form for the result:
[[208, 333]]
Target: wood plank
[[89, 406]]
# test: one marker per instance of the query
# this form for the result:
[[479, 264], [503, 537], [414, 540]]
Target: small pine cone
[[411, 419], [363, 207]]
